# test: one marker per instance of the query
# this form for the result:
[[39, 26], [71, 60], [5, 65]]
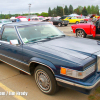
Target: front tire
[[59, 24], [65, 24], [45, 80], [85, 21], [77, 22], [80, 33]]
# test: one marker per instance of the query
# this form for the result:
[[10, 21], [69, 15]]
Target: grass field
[[95, 95]]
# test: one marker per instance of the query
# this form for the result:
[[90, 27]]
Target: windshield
[[31, 33], [6, 21], [41, 18]]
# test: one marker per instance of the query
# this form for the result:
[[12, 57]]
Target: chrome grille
[[98, 62]]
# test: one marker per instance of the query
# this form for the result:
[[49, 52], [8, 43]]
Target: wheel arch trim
[[43, 62], [79, 29]]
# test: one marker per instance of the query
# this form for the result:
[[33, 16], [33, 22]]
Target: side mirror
[[14, 42]]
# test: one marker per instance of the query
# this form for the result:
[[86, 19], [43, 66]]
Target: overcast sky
[[38, 6]]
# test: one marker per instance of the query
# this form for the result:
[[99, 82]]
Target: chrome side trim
[[98, 62], [15, 67], [77, 85], [42, 64], [14, 59]]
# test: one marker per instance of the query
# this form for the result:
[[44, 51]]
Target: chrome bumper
[[78, 85]]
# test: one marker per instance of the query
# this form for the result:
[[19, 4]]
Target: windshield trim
[[22, 26]]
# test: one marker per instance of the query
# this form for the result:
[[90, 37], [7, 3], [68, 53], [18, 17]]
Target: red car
[[89, 18], [82, 30]]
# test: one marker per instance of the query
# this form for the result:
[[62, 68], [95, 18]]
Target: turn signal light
[[63, 71]]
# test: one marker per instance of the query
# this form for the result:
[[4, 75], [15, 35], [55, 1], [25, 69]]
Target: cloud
[[38, 6]]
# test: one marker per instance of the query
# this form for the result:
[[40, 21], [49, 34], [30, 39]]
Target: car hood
[[68, 47], [82, 25]]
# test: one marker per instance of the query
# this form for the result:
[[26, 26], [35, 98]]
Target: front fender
[[43, 62]]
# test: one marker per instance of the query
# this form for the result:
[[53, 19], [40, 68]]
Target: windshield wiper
[[35, 40], [52, 36], [55, 36]]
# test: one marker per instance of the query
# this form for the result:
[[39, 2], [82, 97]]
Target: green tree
[[66, 10], [78, 11], [93, 10], [97, 9], [70, 9], [84, 12], [44, 14], [54, 12], [80, 8], [59, 11], [89, 10], [49, 12]]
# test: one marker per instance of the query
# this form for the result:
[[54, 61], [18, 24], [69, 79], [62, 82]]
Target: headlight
[[98, 62], [77, 74]]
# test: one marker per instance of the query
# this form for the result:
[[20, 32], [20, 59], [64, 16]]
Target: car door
[[93, 30], [70, 20], [11, 54]]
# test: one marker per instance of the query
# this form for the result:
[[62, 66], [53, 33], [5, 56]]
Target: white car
[[4, 21]]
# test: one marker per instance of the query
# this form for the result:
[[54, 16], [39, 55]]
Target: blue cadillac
[[40, 49]]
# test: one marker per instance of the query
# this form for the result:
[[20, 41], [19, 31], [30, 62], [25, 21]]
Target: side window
[[36, 18], [9, 34], [32, 18]]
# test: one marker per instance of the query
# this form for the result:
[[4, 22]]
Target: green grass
[[95, 95], [98, 90], [91, 97]]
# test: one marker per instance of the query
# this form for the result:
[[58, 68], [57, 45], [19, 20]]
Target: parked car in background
[[4, 21], [90, 18], [87, 19], [59, 22], [54, 59], [39, 19], [80, 17], [82, 30], [23, 19], [74, 20], [63, 17]]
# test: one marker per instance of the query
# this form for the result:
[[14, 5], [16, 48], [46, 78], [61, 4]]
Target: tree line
[[8, 16], [59, 11]]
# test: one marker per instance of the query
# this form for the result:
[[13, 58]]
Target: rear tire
[[80, 33], [45, 80]]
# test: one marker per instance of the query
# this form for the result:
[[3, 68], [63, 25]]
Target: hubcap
[[59, 24], [43, 80], [80, 33]]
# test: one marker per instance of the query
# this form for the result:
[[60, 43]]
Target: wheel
[[85, 21], [45, 80], [65, 24], [80, 33], [59, 24], [77, 22]]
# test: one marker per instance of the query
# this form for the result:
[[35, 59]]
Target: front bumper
[[85, 87]]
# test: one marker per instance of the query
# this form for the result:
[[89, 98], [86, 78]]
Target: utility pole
[[1, 14], [9, 14], [63, 9], [29, 9]]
